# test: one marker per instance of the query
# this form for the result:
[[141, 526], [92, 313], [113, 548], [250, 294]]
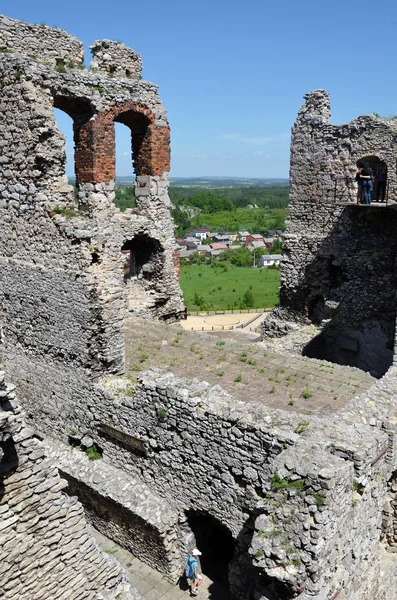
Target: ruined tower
[[294, 503], [339, 267], [69, 248]]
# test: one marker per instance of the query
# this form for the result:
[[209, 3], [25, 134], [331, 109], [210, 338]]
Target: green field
[[220, 290]]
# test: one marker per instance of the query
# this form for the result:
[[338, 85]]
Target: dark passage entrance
[[217, 546], [141, 253]]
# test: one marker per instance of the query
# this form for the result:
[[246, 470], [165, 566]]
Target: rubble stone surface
[[307, 502], [339, 256], [46, 549]]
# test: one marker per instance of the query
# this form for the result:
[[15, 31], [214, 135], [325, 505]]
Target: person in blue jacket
[[191, 571]]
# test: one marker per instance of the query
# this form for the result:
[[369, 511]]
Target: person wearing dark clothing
[[381, 183], [359, 185], [366, 177]]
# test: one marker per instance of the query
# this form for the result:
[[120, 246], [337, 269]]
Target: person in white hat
[[191, 572]]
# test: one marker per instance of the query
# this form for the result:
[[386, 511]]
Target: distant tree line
[[221, 209], [240, 197]]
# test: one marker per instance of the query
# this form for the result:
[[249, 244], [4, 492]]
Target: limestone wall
[[47, 44], [115, 58], [339, 261], [63, 289], [46, 550], [316, 487]]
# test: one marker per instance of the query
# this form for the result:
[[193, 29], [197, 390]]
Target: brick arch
[[150, 144]]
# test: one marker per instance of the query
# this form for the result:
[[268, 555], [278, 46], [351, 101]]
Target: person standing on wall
[[381, 179], [191, 572], [359, 184], [367, 181]]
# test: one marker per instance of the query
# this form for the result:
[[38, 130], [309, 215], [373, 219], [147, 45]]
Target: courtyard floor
[[243, 368]]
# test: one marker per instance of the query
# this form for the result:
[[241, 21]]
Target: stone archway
[[142, 272], [217, 545]]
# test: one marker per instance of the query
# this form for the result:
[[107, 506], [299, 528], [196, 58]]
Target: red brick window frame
[[150, 144]]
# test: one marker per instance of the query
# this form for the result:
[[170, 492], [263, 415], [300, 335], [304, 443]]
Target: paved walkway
[[151, 584]]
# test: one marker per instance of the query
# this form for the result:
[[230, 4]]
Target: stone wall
[[316, 487], [339, 256], [63, 289], [46, 550], [116, 59], [46, 44], [121, 505]]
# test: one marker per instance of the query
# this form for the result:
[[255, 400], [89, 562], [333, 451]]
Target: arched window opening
[[379, 186], [216, 544], [78, 141], [65, 126], [138, 123], [141, 257], [125, 197]]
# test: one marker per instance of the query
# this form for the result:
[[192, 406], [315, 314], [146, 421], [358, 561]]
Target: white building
[[268, 260]]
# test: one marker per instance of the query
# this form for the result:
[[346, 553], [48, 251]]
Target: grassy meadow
[[220, 288]]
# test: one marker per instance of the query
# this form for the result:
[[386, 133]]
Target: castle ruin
[[302, 505]]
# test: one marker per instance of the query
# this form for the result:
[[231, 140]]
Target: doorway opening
[[216, 544]]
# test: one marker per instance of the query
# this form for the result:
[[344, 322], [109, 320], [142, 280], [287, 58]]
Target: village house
[[253, 237], [275, 233], [219, 246], [186, 253], [224, 239], [254, 245], [192, 242], [232, 236], [269, 260], [204, 249], [215, 254], [201, 233], [242, 235]]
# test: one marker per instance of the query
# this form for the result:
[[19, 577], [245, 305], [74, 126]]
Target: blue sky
[[232, 74]]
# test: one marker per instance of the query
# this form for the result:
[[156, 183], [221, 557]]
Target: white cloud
[[199, 156], [262, 154]]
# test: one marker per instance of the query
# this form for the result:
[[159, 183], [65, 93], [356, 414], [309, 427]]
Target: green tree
[[124, 198], [248, 298]]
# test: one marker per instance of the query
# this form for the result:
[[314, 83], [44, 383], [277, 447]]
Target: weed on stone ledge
[[303, 425], [278, 483], [60, 66], [64, 212], [93, 452], [319, 499]]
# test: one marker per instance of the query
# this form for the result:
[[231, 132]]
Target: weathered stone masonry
[[64, 244], [46, 549], [306, 501], [339, 267]]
